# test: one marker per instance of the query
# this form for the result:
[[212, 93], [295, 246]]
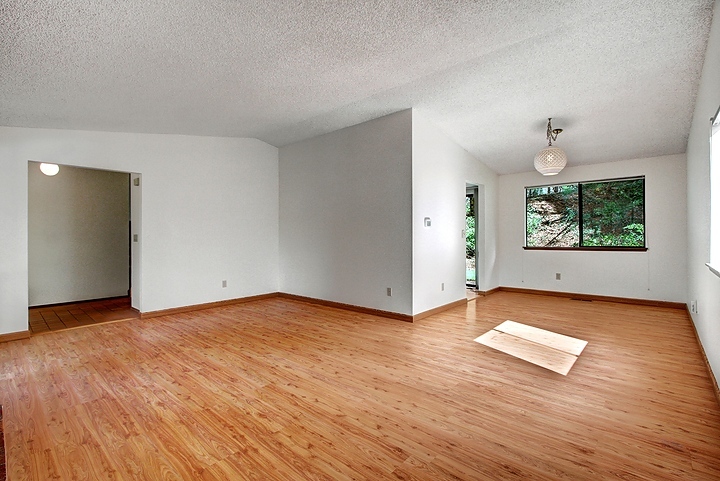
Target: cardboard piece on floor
[[546, 349], [541, 336]]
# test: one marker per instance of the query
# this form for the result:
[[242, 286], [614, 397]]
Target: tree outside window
[[599, 214]]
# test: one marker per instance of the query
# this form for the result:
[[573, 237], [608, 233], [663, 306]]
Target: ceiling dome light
[[49, 169], [550, 160]]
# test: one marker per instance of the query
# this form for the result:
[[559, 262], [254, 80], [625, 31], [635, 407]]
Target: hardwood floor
[[3, 473], [65, 316], [282, 390]]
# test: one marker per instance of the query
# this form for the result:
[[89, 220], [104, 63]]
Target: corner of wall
[[345, 211]]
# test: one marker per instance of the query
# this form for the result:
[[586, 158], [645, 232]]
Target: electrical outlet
[[693, 307], [389, 291], [224, 283], [442, 286], [557, 276]]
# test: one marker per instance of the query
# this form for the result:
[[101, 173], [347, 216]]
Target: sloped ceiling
[[619, 76]]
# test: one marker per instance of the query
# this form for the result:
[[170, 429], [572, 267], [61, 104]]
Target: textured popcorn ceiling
[[619, 76]]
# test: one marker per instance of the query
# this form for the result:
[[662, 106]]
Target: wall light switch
[[557, 276], [135, 237], [389, 291], [224, 283], [428, 222]]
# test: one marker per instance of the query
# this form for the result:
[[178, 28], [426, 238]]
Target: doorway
[[474, 236], [81, 226], [470, 238]]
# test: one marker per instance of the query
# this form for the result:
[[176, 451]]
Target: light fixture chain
[[549, 133]]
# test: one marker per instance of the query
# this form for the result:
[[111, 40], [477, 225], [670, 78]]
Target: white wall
[[209, 212], [703, 285], [440, 171], [658, 274], [345, 215], [78, 235]]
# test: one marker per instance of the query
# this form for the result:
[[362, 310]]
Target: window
[[714, 263], [597, 215]]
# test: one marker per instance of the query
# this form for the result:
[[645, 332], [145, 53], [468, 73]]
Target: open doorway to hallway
[[81, 254]]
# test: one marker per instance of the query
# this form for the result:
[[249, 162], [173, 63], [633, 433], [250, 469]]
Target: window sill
[[605, 249], [714, 270]]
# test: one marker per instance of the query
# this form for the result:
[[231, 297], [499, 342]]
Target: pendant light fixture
[[550, 160]]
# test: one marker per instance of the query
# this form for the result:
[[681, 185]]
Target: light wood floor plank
[[283, 390]]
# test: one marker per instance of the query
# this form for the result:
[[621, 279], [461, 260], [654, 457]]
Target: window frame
[[714, 169], [644, 248]]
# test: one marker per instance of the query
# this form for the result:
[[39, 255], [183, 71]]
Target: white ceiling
[[619, 76]]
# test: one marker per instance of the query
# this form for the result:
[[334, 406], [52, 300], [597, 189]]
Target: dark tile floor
[[64, 316]]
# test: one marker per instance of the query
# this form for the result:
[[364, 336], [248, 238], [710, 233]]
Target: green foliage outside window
[[469, 227], [589, 214], [552, 216]]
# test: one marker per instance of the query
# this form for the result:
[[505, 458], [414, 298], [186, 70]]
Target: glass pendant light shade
[[49, 169], [550, 160]]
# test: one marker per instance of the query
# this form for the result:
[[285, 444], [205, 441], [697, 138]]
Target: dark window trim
[[598, 181], [589, 248], [581, 224], [580, 218]]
